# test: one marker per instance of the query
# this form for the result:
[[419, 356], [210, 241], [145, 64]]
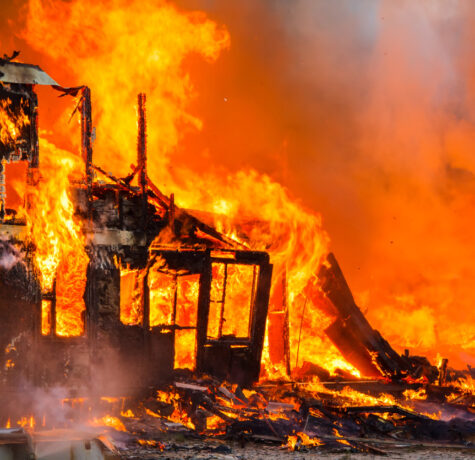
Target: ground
[[216, 450]]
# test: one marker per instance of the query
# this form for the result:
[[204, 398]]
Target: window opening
[[63, 308], [232, 296], [46, 313], [131, 296], [174, 307]]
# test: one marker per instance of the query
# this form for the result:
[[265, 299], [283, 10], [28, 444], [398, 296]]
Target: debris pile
[[333, 416]]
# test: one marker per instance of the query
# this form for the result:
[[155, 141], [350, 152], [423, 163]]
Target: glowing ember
[[110, 421], [294, 442], [179, 415], [415, 394], [151, 443]]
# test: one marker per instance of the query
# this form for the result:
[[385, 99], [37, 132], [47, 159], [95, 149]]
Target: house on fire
[[163, 289]]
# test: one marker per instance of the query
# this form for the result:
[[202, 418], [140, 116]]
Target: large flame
[[121, 47], [118, 47], [59, 241]]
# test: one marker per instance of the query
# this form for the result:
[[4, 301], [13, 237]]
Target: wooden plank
[[337, 290], [259, 317], [351, 348]]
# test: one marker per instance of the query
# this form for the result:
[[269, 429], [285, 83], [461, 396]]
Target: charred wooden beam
[[383, 359], [33, 175], [203, 311], [351, 348], [285, 306], [443, 372], [260, 314], [121, 183], [384, 410], [142, 156], [86, 142]]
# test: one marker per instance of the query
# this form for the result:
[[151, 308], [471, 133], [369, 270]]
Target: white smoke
[[10, 255]]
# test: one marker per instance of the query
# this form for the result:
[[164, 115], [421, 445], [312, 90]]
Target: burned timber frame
[[129, 227]]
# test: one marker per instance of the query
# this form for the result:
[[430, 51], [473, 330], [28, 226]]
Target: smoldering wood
[[86, 144], [336, 288], [384, 410], [351, 347], [359, 343], [443, 372], [142, 156]]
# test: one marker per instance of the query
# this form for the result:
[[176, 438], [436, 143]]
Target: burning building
[[148, 288], [234, 320], [117, 276]]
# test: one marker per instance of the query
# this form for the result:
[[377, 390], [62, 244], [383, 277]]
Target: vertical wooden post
[[146, 305], [142, 178], [33, 175], [223, 302], [171, 211], [32, 179], [90, 314], [86, 143], [203, 311], [443, 372], [142, 155], [3, 190], [259, 318], [285, 306], [53, 309]]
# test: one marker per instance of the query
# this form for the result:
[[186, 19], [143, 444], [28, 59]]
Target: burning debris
[[207, 416], [153, 320]]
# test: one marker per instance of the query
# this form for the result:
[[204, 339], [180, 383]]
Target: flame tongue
[[11, 123], [154, 41], [60, 256]]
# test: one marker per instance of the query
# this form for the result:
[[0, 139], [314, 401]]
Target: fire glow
[[11, 123], [236, 258], [59, 241], [293, 235]]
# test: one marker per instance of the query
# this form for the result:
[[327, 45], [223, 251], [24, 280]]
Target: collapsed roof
[[24, 74]]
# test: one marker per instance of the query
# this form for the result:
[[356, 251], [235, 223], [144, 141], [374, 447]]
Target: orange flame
[[11, 122], [131, 296], [110, 421], [142, 48], [60, 255], [179, 415], [302, 439]]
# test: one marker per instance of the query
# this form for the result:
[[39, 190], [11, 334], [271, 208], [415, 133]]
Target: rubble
[[312, 418]]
